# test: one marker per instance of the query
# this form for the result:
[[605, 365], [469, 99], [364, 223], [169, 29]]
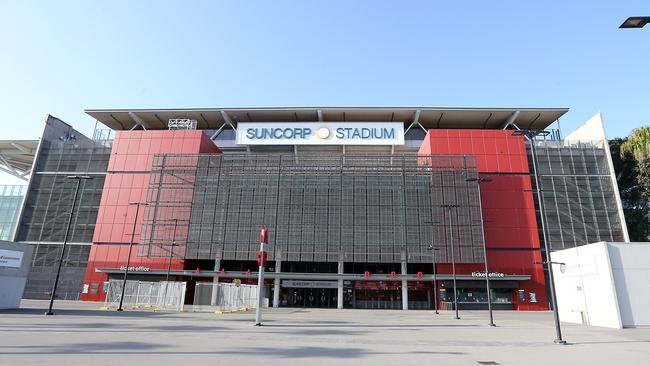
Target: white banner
[[320, 133], [10, 258]]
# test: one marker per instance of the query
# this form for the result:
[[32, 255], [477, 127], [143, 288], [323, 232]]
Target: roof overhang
[[428, 117], [17, 157]]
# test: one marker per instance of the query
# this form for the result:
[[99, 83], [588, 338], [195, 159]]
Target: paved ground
[[80, 334]]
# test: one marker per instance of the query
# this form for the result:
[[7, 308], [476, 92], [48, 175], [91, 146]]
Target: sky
[[62, 57]]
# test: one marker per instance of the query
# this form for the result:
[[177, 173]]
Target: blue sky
[[62, 57]]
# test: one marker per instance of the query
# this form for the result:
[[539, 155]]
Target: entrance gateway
[[384, 294], [309, 294]]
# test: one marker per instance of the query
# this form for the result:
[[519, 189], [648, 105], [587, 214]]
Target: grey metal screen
[[577, 192], [63, 151], [318, 208]]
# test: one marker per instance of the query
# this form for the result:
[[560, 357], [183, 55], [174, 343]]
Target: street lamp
[[485, 260], [530, 136], [79, 178], [635, 22], [128, 259], [435, 287], [453, 255]]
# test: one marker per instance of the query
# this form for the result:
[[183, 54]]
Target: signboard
[[136, 269], [10, 258], [320, 133], [492, 274], [309, 284]]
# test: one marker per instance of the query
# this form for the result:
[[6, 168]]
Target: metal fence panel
[[223, 297], [140, 294]]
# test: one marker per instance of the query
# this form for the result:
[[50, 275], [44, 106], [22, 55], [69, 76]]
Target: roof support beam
[[416, 122], [511, 120], [19, 176], [214, 135], [22, 148], [8, 168], [137, 120], [227, 119]]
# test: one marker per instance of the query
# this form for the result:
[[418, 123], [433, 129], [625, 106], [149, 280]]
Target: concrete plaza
[[80, 334]]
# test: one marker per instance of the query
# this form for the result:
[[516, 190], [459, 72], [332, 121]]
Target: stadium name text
[[321, 133], [301, 133]]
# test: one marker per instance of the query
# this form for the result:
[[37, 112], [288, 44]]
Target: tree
[[638, 144], [631, 158]]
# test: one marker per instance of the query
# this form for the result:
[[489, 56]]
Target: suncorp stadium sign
[[321, 133]]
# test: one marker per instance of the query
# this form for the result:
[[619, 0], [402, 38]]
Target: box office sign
[[320, 133], [309, 284], [10, 258]]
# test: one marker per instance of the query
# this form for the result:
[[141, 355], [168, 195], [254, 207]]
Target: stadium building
[[362, 204]]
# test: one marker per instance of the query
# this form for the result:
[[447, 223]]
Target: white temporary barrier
[[224, 297], [140, 294], [603, 284]]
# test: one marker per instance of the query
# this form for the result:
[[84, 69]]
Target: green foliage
[[631, 158], [638, 144]]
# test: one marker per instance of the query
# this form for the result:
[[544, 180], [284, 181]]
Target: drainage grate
[[488, 363]]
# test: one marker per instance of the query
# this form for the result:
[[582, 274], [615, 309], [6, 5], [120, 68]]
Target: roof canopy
[[17, 157], [213, 118]]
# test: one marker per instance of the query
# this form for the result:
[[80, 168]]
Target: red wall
[[129, 171], [508, 208]]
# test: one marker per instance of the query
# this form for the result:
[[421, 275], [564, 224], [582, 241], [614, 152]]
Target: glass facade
[[578, 194], [11, 199]]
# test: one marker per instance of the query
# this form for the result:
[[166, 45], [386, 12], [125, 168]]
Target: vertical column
[[276, 281], [405, 288], [339, 296], [215, 281]]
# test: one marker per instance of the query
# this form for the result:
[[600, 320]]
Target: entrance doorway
[[309, 297]]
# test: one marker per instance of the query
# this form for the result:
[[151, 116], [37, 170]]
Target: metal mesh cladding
[[318, 208]]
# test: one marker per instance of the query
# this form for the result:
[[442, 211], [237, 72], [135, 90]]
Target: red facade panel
[[510, 223], [127, 181]]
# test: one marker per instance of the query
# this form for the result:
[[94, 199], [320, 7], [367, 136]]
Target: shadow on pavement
[[88, 312], [140, 348]]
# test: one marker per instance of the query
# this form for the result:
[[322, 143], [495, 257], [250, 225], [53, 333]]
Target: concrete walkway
[[80, 334]]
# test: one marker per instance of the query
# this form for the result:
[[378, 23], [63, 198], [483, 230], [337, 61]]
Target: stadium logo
[[323, 133]]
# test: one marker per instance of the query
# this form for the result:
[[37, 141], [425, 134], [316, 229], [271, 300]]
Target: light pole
[[485, 259], [128, 259], [530, 136], [79, 178], [453, 255], [435, 287]]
